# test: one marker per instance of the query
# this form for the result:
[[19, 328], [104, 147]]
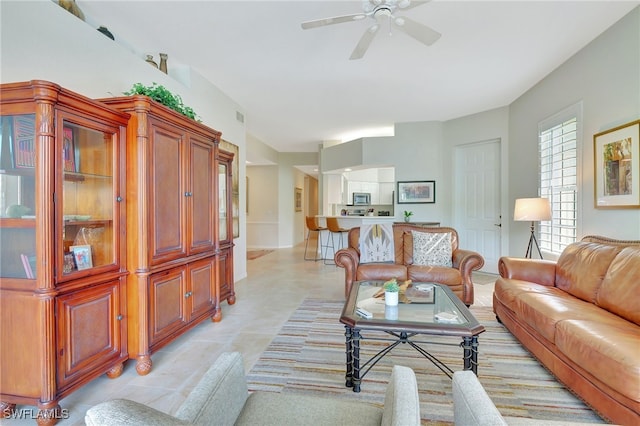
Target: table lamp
[[534, 210]]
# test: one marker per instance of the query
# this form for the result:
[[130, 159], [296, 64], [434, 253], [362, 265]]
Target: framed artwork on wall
[[417, 192], [298, 199], [617, 167]]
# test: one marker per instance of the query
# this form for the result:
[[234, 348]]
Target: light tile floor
[[276, 285]]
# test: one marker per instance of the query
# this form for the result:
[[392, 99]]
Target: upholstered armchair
[[455, 273], [222, 398]]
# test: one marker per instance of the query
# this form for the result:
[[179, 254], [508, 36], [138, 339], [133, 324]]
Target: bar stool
[[312, 226], [334, 228]]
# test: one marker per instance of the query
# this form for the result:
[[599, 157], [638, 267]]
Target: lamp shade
[[532, 209]]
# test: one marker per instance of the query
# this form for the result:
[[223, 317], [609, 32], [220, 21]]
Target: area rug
[[254, 254], [308, 357]]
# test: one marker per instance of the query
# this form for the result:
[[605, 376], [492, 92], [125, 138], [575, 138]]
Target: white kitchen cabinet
[[385, 190]]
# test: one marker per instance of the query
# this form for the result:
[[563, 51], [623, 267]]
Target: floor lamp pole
[[532, 241]]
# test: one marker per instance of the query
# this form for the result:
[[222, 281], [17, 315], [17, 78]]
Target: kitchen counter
[[368, 218]]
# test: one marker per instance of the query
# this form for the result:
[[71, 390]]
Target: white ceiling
[[299, 88]]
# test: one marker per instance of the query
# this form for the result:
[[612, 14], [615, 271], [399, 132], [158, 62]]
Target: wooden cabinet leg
[[143, 365], [231, 300], [116, 371], [217, 315], [48, 414]]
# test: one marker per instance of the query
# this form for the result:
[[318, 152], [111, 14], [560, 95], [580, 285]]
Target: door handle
[[499, 225]]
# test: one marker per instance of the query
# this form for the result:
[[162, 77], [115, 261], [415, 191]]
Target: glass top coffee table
[[428, 309]]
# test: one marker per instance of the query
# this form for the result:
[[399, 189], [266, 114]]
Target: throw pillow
[[432, 248], [376, 243]]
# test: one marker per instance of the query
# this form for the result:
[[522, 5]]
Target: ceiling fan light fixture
[[399, 22], [404, 3], [383, 11]]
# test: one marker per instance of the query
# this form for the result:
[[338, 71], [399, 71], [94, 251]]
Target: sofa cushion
[[407, 239], [582, 266], [607, 348], [432, 248], [543, 311], [508, 290], [376, 243], [437, 274], [271, 408], [620, 289], [381, 272]]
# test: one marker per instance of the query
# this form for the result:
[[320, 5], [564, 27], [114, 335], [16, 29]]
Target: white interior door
[[477, 200]]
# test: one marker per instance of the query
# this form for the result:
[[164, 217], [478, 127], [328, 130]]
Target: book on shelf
[[24, 147], [68, 150], [29, 264]]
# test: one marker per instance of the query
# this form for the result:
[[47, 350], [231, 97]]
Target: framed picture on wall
[[297, 197], [416, 192], [617, 167]]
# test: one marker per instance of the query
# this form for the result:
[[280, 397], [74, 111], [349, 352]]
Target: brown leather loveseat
[[457, 277], [580, 317]]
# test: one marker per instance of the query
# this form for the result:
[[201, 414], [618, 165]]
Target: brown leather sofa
[[457, 277], [580, 317]]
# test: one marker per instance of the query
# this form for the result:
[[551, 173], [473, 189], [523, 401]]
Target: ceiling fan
[[381, 11]]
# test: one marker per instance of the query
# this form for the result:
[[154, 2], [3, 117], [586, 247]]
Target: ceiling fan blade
[[419, 31], [414, 3], [365, 41], [331, 21]]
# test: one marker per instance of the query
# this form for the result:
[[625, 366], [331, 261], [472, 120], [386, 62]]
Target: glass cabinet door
[[17, 196], [222, 201], [88, 222]]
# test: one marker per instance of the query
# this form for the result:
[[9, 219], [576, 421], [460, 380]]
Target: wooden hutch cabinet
[[227, 291], [172, 219], [62, 245]]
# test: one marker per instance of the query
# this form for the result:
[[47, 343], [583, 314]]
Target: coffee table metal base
[[355, 372]]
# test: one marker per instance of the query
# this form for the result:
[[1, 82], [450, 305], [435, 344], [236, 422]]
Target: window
[[558, 166]]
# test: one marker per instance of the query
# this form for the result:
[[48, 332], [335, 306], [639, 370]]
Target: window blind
[[558, 182]]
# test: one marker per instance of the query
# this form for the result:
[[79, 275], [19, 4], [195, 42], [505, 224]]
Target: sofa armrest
[[533, 270], [401, 400], [348, 259], [220, 394], [123, 412], [471, 404], [467, 261]]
